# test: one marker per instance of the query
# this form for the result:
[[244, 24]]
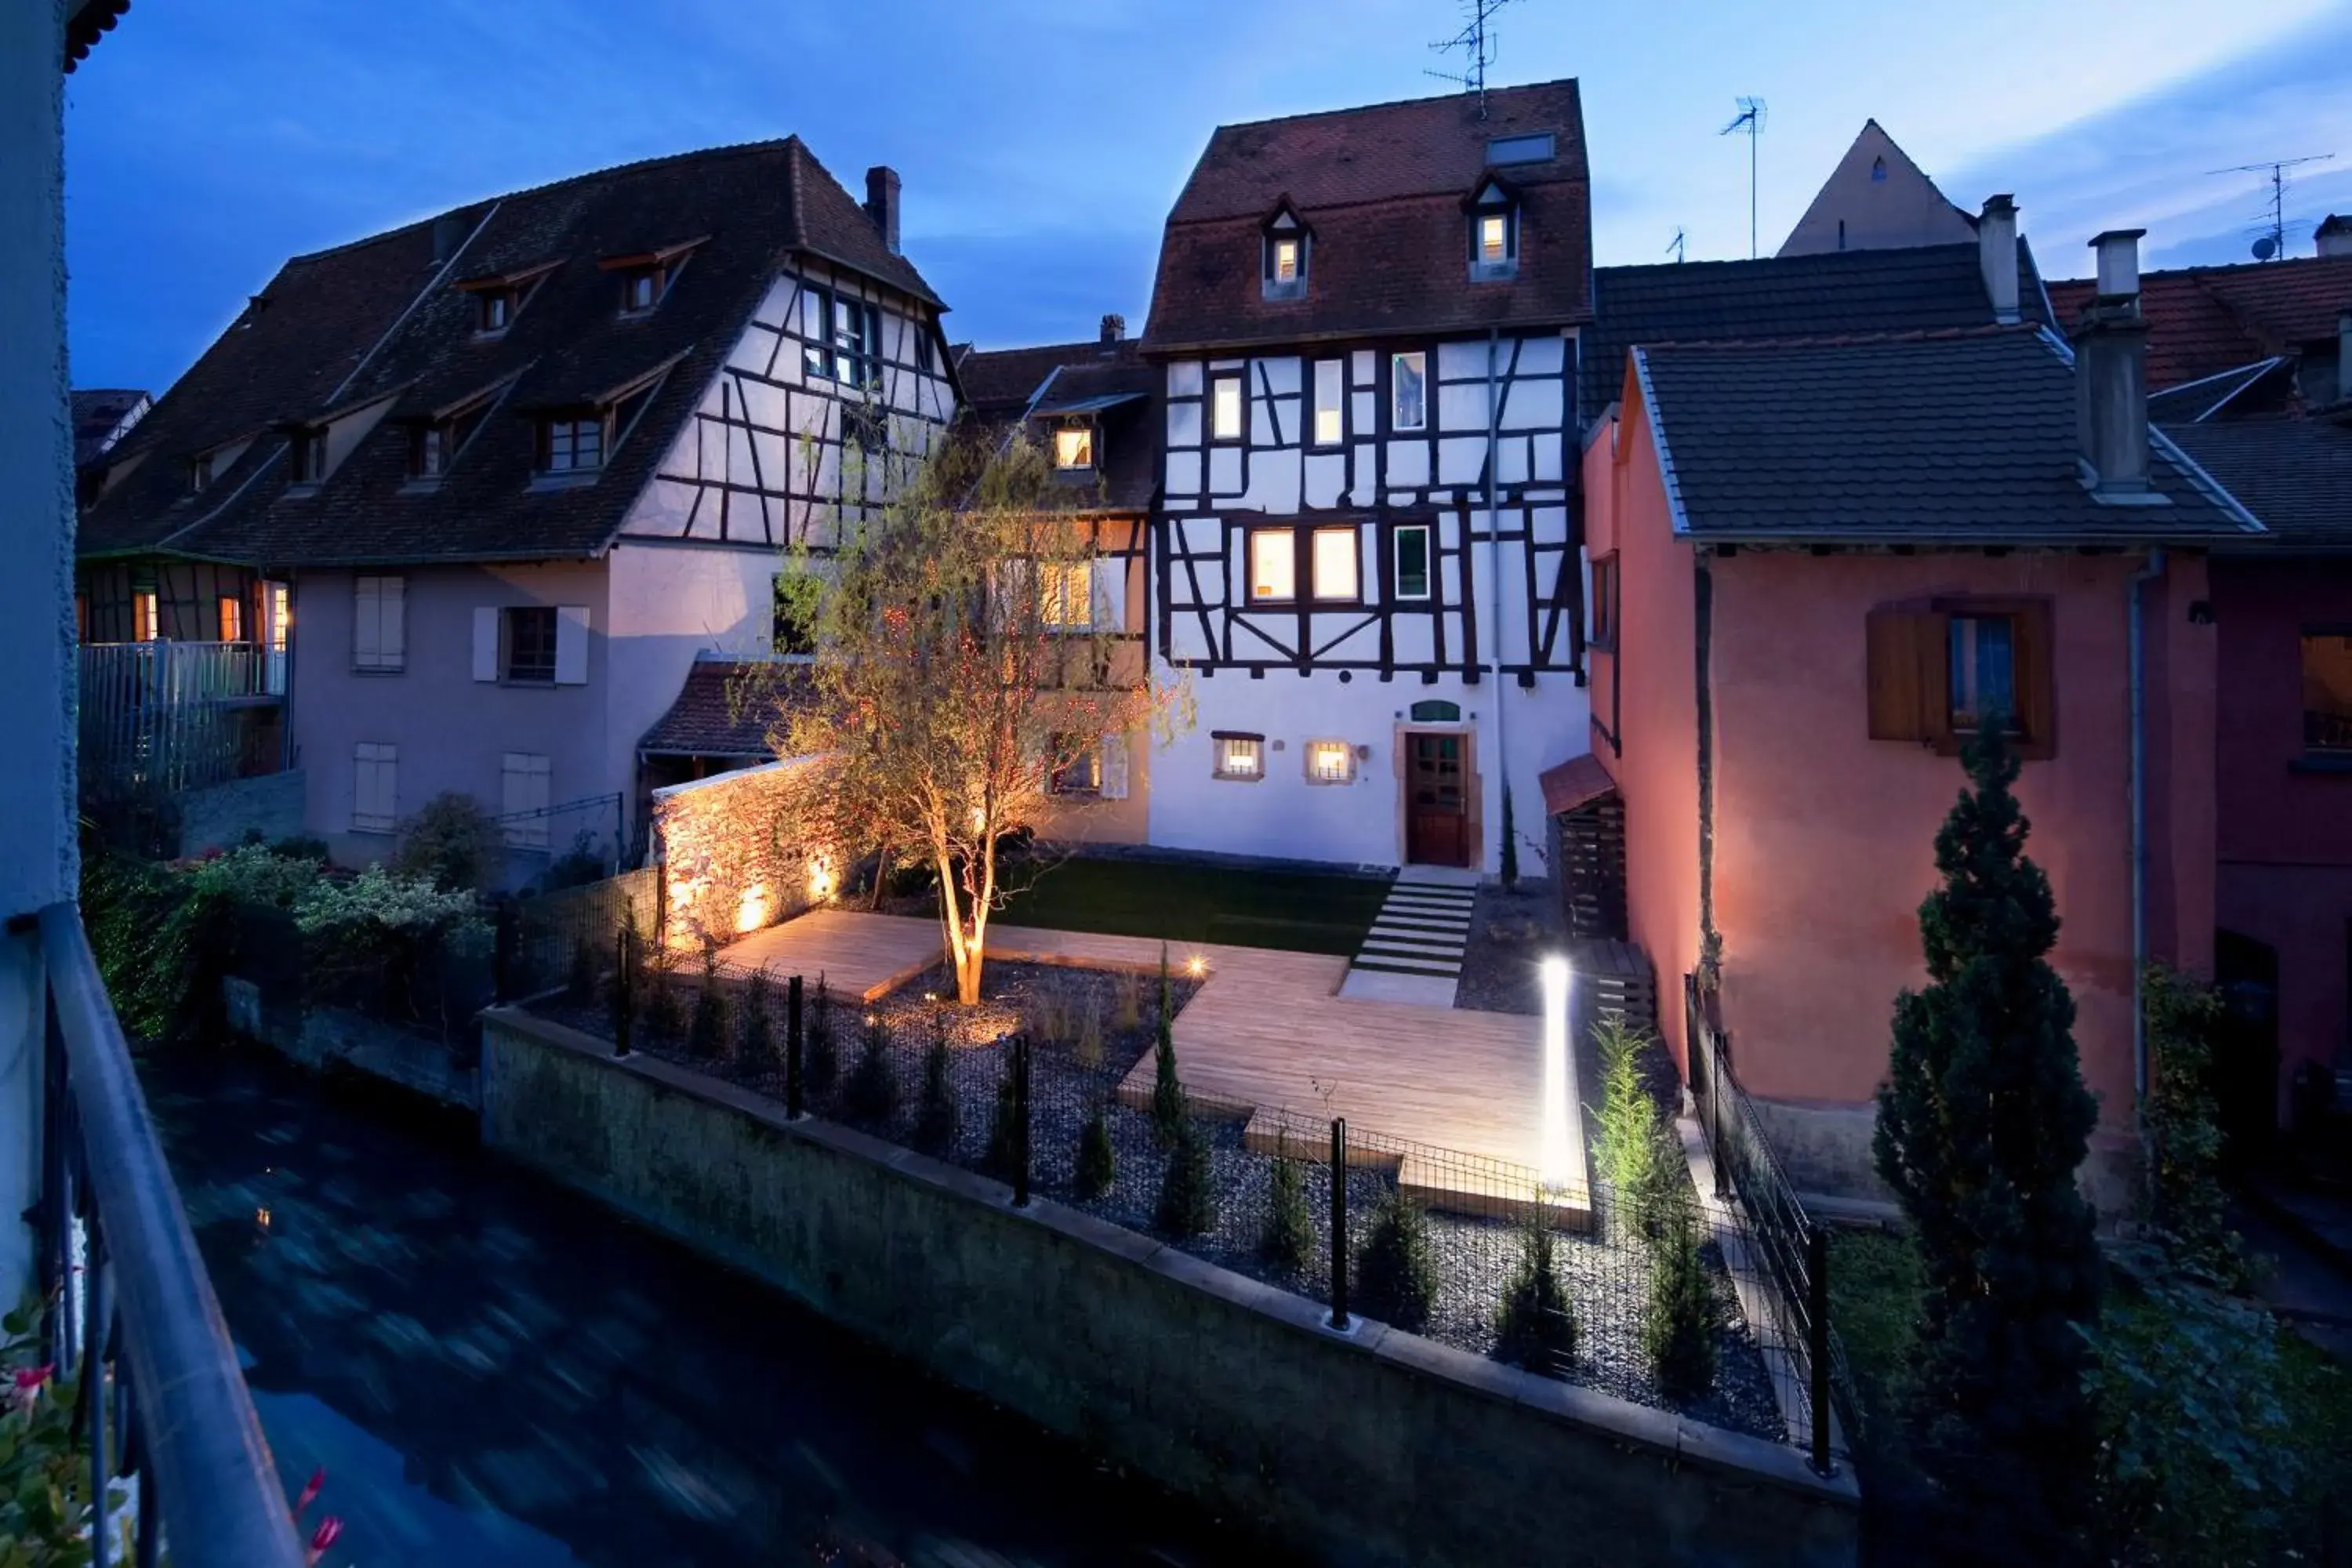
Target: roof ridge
[[2201, 270], [1851, 340], [1828, 258], [1568, 81]]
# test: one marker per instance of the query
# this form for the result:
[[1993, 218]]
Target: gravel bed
[[1509, 934], [1607, 1279]]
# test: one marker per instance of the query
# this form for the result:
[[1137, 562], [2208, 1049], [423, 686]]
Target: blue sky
[[1041, 141]]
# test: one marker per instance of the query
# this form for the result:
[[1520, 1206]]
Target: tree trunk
[[881, 879]]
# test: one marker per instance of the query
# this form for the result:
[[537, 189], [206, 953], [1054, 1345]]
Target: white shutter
[[1114, 767], [1110, 593], [571, 644], [367, 623], [392, 621], [485, 642], [375, 787]]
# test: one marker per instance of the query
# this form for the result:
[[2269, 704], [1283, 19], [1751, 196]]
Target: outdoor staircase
[[1414, 952]]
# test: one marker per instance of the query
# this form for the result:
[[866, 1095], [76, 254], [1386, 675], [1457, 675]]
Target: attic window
[[310, 455], [433, 445], [200, 473], [1074, 447], [1878, 170], [571, 444], [641, 289], [1535, 149], [1494, 232], [1285, 246], [498, 308]]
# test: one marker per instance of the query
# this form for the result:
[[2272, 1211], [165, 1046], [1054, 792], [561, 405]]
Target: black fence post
[[1339, 1223], [624, 988], [793, 1048], [1817, 1342], [1021, 1120], [506, 954]]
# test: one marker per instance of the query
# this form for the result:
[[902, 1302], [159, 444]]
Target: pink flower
[[30, 1379], [330, 1531], [311, 1490]]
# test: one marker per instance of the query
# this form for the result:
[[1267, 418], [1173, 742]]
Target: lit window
[[1225, 408], [1286, 265], [1065, 598], [1285, 261], [1073, 448], [1408, 391], [1331, 390], [1330, 761], [280, 616], [1077, 766], [1494, 239], [375, 787], [524, 778], [1412, 562], [1335, 563], [1983, 671], [232, 619], [144, 624], [2327, 692], [1240, 756], [1274, 564], [572, 446]]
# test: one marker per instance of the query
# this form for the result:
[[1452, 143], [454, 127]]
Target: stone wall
[[1373, 1449], [219, 815], [728, 864]]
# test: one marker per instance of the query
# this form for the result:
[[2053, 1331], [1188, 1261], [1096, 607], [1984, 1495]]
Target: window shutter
[[485, 642], [1909, 678], [2033, 678], [571, 644], [392, 627], [367, 623], [1110, 593], [1114, 767]]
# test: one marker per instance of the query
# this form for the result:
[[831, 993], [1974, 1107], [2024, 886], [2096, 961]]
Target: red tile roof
[[1380, 190], [713, 717], [2203, 321], [1574, 783]]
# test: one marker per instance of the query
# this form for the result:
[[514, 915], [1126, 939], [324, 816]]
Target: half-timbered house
[[519, 464], [1366, 325]]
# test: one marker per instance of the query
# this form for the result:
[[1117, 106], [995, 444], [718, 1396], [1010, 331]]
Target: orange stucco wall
[[1824, 838]]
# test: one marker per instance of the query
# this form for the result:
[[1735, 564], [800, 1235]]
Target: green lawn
[[1304, 911]]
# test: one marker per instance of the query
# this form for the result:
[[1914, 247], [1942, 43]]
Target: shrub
[[1678, 1320], [302, 847], [706, 1036], [1510, 866], [759, 1048], [150, 944], [394, 946], [663, 1020], [1171, 1115], [1289, 1235], [1626, 1123], [1188, 1193], [1126, 992], [252, 874], [576, 867], [2186, 1202], [820, 1057], [1007, 1127], [453, 843], [1536, 1326], [579, 973], [1089, 1047], [1098, 1166], [1396, 1269], [872, 1092], [936, 1115]]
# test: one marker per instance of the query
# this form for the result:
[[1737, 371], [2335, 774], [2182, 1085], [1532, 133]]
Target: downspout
[[1495, 577], [2148, 572]]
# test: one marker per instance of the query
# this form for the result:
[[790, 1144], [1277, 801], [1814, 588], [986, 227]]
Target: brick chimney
[[1114, 328], [1997, 255], [2334, 235], [882, 203], [2111, 375]]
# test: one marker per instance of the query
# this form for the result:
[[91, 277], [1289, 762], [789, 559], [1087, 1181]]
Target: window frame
[[1600, 615], [1276, 234], [1907, 674], [1085, 435], [496, 310], [655, 278], [379, 662], [824, 357], [1222, 740], [1060, 585], [147, 605], [600, 420], [1315, 411], [1314, 776], [509, 622], [1075, 754], [1396, 359], [1288, 534], [1239, 380], [2329, 755], [1428, 564], [309, 444], [1355, 594]]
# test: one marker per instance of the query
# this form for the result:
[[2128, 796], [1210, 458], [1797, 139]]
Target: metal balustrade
[[176, 715], [129, 1313]]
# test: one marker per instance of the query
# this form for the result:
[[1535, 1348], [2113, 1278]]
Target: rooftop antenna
[[1477, 41], [2271, 246], [1675, 245], [1749, 119]]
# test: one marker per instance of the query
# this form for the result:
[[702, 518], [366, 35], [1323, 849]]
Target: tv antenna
[[1749, 119], [1477, 41], [2272, 244], [1675, 245]]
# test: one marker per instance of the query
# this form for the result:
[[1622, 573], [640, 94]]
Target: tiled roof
[[85, 21], [2206, 320], [96, 413], [1380, 189], [1926, 287], [2295, 475], [1960, 438], [379, 318], [1576, 781], [1001, 384], [703, 720]]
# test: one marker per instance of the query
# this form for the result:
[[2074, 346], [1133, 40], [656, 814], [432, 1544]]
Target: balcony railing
[[177, 715], [130, 1314]]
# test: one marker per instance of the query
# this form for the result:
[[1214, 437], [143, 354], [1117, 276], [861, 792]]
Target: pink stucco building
[[1814, 561]]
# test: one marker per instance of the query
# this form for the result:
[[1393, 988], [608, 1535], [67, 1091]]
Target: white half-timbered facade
[[1366, 556]]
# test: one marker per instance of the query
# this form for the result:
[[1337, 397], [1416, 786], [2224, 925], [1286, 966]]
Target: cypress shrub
[[579, 976], [1396, 1269], [706, 1036], [1679, 1319], [621, 997], [936, 1117], [759, 1046], [663, 1020], [1289, 1234], [1536, 1326], [1188, 1193], [872, 1093], [820, 1057], [1098, 1166], [1171, 1117], [1003, 1157]]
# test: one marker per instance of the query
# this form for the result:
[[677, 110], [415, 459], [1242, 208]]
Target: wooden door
[[1437, 810]]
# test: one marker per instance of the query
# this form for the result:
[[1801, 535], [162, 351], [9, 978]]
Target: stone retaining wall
[[1378, 1448]]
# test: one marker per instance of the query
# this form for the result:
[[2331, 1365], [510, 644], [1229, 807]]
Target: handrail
[[194, 1438]]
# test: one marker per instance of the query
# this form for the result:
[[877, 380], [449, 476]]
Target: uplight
[[1196, 966], [1553, 1159]]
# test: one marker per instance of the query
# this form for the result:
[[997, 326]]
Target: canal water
[[493, 1370]]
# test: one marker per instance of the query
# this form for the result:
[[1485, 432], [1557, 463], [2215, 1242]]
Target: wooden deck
[[1267, 1032]]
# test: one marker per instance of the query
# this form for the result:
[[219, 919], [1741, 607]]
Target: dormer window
[[571, 444], [428, 452], [1074, 447], [499, 297], [498, 308], [435, 440], [1286, 248], [641, 289], [309, 446], [1493, 211], [200, 473], [646, 275]]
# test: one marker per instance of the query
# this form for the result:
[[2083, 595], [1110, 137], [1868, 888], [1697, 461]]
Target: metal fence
[[176, 715], [129, 1320], [1056, 1092], [1791, 1256]]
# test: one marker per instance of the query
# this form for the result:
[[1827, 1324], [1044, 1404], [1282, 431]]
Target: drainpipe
[[1495, 572], [2149, 572]]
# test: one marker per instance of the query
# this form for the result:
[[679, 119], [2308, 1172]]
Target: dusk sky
[[1042, 144]]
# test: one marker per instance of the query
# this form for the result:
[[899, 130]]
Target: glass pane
[[2327, 692], [1983, 670], [1329, 388], [1274, 564], [1074, 448], [1413, 563], [1286, 260], [1227, 412], [1494, 237], [1335, 563], [1407, 393]]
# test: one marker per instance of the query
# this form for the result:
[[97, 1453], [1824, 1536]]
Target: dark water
[[493, 1370]]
